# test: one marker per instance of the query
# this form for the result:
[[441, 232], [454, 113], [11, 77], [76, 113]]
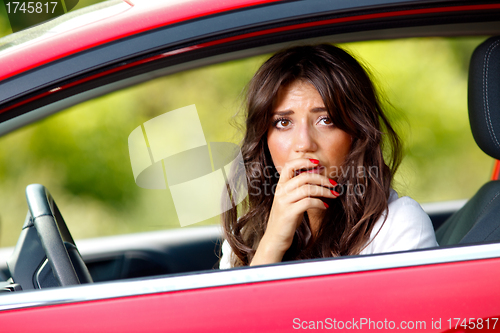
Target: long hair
[[353, 105]]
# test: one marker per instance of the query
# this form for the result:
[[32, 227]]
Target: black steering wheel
[[46, 254]]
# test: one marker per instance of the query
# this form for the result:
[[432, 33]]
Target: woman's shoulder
[[225, 259], [396, 201], [406, 208], [407, 227]]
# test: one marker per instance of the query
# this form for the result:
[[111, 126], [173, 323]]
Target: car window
[[83, 154]]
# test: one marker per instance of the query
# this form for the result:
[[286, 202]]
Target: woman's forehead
[[298, 91]]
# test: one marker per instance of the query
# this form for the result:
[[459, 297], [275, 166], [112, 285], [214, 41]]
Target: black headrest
[[484, 96]]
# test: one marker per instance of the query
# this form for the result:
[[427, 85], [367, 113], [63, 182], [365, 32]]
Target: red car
[[145, 58]]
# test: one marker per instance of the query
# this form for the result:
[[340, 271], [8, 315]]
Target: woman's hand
[[300, 188]]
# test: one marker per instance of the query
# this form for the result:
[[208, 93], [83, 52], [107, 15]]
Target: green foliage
[[425, 81]]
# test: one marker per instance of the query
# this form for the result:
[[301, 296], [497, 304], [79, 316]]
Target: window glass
[[82, 154]]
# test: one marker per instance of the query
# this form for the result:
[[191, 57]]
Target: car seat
[[479, 219]]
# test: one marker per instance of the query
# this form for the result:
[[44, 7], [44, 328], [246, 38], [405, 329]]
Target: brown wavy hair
[[353, 105]]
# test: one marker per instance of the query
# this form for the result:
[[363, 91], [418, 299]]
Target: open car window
[[89, 159]]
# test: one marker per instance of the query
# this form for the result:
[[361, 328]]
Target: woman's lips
[[316, 169]]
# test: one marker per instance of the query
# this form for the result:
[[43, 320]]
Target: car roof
[[100, 24], [113, 20]]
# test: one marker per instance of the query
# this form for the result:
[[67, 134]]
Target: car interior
[[476, 222]]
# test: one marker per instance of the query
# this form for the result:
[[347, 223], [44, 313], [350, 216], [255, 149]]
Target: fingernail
[[326, 205], [335, 193], [314, 161], [333, 182]]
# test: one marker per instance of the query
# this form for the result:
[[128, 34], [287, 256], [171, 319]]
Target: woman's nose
[[304, 139]]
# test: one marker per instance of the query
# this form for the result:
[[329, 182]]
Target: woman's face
[[301, 128]]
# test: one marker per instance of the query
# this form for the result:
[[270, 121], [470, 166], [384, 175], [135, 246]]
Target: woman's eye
[[325, 121], [282, 123]]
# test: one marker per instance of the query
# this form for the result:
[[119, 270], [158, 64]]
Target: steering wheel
[[45, 248]]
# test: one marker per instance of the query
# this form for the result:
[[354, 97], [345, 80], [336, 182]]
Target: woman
[[317, 180]]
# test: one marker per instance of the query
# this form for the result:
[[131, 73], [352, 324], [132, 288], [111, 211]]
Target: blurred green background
[[81, 154]]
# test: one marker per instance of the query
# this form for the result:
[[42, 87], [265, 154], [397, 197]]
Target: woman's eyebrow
[[289, 112], [319, 109], [283, 113]]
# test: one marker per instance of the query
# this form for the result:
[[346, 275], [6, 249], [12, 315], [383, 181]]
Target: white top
[[407, 227]]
